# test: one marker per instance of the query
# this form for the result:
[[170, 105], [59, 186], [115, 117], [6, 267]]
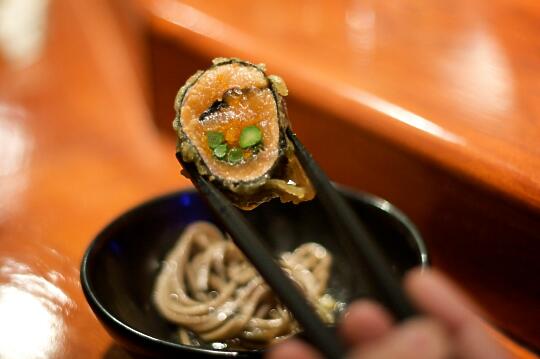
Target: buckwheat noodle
[[210, 290]]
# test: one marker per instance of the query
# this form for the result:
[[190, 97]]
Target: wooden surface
[[79, 145], [435, 103], [456, 81], [78, 148]]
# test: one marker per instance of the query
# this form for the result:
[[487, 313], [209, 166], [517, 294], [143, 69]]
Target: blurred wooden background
[[431, 105]]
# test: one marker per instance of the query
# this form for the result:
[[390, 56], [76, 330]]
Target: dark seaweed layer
[[243, 193]]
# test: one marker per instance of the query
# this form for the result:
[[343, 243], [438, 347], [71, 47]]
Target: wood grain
[[78, 148], [84, 135], [434, 102]]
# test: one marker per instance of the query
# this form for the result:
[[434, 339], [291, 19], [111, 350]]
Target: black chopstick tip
[[344, 217], [248, 240]]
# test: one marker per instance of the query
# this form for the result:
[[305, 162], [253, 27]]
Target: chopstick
[[387, 285], [253, 247]]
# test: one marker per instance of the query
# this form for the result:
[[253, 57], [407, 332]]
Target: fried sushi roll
[[231, 121]]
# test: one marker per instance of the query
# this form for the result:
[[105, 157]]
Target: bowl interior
[[121, 265]]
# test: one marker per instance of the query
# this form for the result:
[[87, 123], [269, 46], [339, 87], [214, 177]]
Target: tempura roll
[[231, 121]]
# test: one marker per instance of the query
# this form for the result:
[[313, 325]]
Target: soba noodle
[[210, 290]]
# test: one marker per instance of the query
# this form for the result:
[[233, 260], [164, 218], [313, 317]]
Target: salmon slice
[[231, 121]]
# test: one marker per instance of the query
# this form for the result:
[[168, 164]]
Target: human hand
[[448, 328]]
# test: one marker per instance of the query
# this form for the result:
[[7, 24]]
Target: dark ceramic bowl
[[119, 267]]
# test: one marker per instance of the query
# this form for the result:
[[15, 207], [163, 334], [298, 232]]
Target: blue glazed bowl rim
[[119, 326]]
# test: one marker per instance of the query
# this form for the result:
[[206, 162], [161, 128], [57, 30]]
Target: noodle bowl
[[210, 290]]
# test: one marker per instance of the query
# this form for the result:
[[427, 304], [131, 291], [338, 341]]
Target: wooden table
[[437, 102]]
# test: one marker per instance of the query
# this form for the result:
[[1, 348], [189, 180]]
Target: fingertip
[[365, 307], [423, 330], [428, 336], [414, 274], [293, 349], [436, 295], [365, 321], [416, 338], [439, 297], [421, 279]]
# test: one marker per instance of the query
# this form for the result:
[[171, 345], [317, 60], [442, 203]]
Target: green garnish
[[235, 155], [215, 138], [250, 136], [221, 150]]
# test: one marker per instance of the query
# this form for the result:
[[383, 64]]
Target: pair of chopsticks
[[253, 247]]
